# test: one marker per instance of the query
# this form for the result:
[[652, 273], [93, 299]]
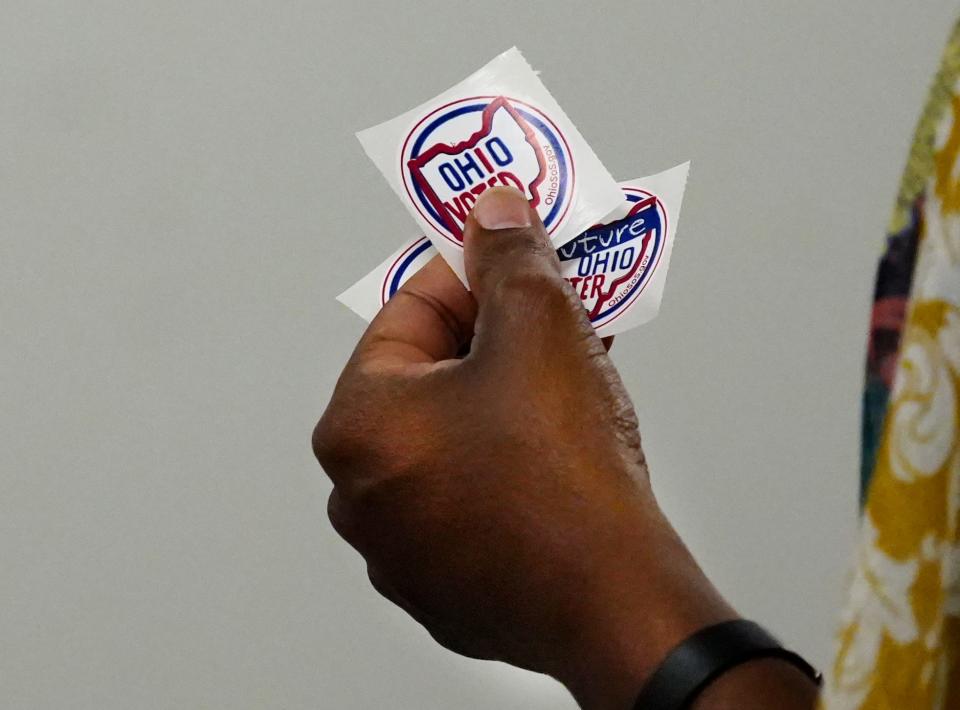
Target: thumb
[[504, 237], [514, 274]]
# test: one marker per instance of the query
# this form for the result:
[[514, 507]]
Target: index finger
[[428, 320]]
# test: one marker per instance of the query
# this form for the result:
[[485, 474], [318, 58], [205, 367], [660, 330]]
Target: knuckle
[[340, 445], [541, 291], [380, 584], [510, 244], [507, 248], [532, 286], [338, 515], [343, 433], [347, 429], [326, 440]]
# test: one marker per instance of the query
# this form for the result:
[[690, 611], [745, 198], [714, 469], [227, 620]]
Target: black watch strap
[[691, 666]]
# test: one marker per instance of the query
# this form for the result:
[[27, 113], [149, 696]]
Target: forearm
[[637, 621]]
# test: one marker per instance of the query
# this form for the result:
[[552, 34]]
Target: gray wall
[[181, 197]]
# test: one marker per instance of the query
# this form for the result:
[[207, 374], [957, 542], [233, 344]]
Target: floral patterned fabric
[[898, 647]]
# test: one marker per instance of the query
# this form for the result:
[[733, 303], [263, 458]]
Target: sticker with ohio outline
[[499, 126]]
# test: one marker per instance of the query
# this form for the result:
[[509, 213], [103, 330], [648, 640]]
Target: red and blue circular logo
[[610, 265], [462, 148]]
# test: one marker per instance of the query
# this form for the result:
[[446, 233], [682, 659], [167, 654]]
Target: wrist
[[758, 685], [634, 614]]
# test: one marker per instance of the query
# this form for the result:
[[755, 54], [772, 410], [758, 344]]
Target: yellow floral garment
[[898, 647]]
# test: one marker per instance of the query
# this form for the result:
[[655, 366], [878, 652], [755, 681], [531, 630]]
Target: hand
[[502, 499]]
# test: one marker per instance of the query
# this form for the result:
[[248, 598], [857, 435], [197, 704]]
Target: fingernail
[[502, 208]]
